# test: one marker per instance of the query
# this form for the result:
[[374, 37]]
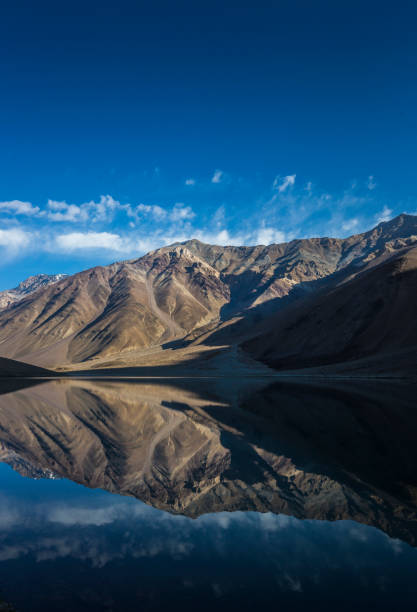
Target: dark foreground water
[[209, 494]]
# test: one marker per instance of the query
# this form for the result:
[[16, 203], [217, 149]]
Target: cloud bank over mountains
[[111, 227]]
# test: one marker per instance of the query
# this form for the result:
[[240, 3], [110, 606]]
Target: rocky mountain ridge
[[28, 286], [193, 292]]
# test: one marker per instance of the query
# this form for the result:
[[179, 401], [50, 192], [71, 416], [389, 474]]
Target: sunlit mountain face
[[318, 302], [236, 490]]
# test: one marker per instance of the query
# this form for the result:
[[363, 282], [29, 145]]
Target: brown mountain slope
[[259, 274], [369, 313], [184, 289], [111, 309]]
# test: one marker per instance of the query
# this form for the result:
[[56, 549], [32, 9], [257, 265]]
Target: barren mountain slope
[[110, 309], [370, 313], [184, 289], [50, 318], [258, 274]]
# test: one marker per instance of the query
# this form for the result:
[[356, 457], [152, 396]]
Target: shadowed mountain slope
[[371, 313]]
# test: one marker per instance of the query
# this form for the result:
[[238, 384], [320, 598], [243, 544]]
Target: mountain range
[[307, 303]]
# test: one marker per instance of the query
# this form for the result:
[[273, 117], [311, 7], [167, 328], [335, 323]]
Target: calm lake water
[[211, 493]]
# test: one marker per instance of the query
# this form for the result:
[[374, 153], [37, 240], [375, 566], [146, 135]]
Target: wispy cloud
[[217, 176], [384, 215], [371, 184], [181, 212], [281, 184], [350, 224], [269, 235], [152, 210], [190, 181], [107, 229]]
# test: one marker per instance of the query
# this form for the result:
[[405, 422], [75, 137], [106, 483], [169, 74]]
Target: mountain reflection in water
[[210, 450]]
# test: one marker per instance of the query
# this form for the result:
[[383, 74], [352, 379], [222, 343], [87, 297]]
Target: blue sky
[[128, 127]]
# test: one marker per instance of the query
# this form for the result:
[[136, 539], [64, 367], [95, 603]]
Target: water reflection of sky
[[63, 546]]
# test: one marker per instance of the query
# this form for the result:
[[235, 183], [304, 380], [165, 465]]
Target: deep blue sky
[[276, 113]]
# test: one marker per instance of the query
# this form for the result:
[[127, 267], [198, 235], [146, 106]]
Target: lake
[[207, 493]]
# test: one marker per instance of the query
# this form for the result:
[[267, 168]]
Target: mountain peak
[[400, 227], [28, 286], [402, 219], [194, 241], [32, 283]]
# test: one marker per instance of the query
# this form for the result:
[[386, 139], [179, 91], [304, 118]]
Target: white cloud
[[190, 181], [92, 240], [61, 211], [14, 239], [180, 212], [124, 228], [305, 211], [223, 238], [350, 224], [17, 207], [269, 235], [145, 244], [371, 183], [282, 183], [157, 212], [218, 219], [101, 211], [104, 209], [384, 215], [217, 176]]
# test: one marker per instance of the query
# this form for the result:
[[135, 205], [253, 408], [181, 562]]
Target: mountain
[[364, 314], [107, 310], [26, 287], [194, 294], [309, 451]]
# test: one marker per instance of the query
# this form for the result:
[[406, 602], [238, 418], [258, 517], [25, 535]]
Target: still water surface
[[207, 494]]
